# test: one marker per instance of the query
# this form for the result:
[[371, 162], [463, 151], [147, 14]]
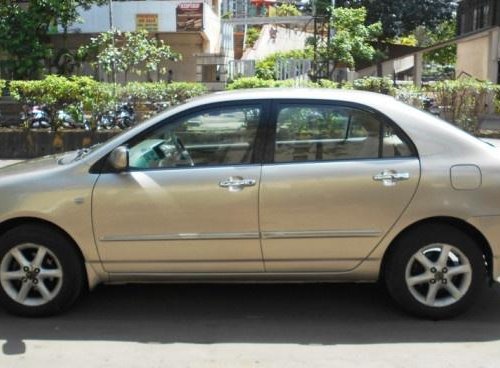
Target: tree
[[24, 31], [400, 18], [127, 52], [287, 10], [352, 39], [397, 17], [443, 32]]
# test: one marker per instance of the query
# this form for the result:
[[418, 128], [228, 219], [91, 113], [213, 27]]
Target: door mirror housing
[[119, 159]]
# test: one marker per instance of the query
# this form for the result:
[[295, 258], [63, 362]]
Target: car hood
[[28, 169]]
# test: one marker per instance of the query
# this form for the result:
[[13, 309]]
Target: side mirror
[[119, 158]]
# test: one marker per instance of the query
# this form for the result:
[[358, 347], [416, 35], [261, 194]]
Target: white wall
[[286, 39], [212, 28], [472, 56], [96, 19]]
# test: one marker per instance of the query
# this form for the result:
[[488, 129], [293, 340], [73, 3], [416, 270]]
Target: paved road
[[250, 326], [218, 326]]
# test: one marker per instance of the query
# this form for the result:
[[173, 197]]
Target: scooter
[[125, 116], [37, 117], [68, 121]]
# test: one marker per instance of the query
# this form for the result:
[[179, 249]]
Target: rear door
[[338, 177]]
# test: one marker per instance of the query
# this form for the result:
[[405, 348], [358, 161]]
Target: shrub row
[[256, 82], [461, 102], [95, 98]]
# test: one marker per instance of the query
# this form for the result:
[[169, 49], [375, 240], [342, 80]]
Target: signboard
[[149, 22], [190, 17]]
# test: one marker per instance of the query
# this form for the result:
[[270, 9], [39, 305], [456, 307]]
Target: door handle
[[391, 177], [236, 183]]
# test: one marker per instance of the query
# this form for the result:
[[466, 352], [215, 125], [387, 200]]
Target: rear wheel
[[40, 271], [435, 271]]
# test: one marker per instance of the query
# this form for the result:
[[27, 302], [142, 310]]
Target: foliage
[[3, 83], [24, 28], [127, 52], [397, 17], [168, 93], [251, 82], [256, 82], [463, 100], [61, 93], [411, 95], [253, 34], [95, 98], [374, 84], [400, 18], [443, 32], [265, 68], [352, 39], [410, 40], [287, 10]]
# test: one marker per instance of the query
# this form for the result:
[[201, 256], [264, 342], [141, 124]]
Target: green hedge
[[464, 100], [170, 93], [255, 82], [95, 98], [264, 68], [460, 101]]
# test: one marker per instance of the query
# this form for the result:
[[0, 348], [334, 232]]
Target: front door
[[340, 177], [189, 201]]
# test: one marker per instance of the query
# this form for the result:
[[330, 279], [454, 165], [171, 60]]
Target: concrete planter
[[16, 144]]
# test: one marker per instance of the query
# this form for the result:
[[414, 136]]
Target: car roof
[[367, 98]]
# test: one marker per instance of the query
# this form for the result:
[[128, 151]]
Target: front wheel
[[40, 271], [435, 271]]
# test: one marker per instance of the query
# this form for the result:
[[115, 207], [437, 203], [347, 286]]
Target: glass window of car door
[[216, 136], [325, 132]]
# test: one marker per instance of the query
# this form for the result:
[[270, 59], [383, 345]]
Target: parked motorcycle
[[123, 117], [430, 106], [68, 121], [36, 117]]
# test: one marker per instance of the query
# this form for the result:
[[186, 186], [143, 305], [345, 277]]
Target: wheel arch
[[457, 223], [16, 222]]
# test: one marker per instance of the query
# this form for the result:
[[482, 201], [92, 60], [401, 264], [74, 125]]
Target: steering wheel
[[183, 152]]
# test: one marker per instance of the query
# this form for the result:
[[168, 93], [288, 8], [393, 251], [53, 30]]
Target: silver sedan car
[[281, 185]]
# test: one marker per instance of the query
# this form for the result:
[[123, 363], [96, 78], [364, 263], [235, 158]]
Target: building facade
[[478, 39], [191, 27]]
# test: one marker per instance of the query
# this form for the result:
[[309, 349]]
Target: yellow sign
[[149, 22]]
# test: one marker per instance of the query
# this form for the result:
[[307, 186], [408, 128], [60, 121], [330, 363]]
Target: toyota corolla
[[281, 185]]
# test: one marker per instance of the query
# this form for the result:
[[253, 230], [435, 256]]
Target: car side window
[[217, 136], [325, 132]]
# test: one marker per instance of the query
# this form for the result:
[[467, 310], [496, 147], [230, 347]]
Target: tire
[[435, 271], [41, 273]]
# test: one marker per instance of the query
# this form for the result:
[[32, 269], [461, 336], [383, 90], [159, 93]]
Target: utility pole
[[111, 28]]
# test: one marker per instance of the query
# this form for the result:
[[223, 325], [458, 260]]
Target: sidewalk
[[8, 162]]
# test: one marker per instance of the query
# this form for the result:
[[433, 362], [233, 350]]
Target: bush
[[411, 95], [251, 82], [265, 68], [253, 34], [61, 93], [94, 98], [374, 84], [255, 82], [463, 100]]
